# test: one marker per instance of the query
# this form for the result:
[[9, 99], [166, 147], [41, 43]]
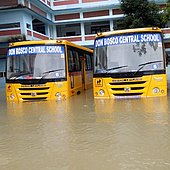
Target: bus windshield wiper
[[48, 72], [144, 64], [20, 74], [114, 68]]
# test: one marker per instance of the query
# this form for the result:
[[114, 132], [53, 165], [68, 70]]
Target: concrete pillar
[[21, 2], [111, 25], [47, 30], [111, 21], [23, 25], [82, 27], [82, 32], [54, 32]]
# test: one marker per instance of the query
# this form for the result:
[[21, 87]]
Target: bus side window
[[80, 55], [71, 63], [88, 62], [77, 60]]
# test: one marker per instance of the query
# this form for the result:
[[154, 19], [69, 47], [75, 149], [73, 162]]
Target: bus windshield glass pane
[[36, 62], [128, 53]]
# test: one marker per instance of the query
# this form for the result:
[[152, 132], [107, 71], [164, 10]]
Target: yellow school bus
[[47, 69], [129, 64]]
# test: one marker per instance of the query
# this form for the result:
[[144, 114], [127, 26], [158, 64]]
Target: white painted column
[[82, 32], [47, 30], [111, 25], [54, 32], [82, 28], [26, 19], [111, 21], [54, 36], [23, 24], [21, 2]]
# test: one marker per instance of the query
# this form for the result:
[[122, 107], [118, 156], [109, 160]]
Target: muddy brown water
[[84, 133]]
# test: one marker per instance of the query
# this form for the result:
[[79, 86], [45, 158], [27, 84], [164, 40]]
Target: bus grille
[[34, 93], [34, 99], [128, 88]]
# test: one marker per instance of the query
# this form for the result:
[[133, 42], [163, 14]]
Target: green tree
[[166, 12], [140, 13]]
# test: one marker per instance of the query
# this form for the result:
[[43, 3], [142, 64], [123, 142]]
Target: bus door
[[83, 71]]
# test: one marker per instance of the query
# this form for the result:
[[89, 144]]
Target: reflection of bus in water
[[129, 63], [153, 110], [43, 70]]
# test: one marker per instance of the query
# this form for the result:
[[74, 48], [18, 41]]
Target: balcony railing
[[34, 35]]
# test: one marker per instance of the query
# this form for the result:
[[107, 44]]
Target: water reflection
[[152, 110], [85, 133], [156, 110], [139, 131]]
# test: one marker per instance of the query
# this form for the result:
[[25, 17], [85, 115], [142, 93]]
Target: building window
[[70, 33], [10, 25], [2, 74], [68, 30], [28, 26], [74, 59], [95, 27], [38, 26]]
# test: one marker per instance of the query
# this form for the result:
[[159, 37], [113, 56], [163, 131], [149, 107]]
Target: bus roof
[[124, 31], [48, 42]]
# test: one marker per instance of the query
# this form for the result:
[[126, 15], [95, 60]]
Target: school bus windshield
[[128, 53], [36, 62]]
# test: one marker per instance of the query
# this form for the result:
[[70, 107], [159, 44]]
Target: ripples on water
[[85, 134]]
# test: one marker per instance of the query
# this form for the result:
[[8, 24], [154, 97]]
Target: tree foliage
[[141, 13], [166, 11]]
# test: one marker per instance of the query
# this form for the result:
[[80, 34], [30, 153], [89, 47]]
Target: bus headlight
[[156, 90], [12, 96], [101, 92], [58, 95]]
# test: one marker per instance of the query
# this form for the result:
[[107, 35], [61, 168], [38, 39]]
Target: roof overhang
[[28, 10]]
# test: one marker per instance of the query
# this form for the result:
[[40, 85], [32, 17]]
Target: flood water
[[83, 133]]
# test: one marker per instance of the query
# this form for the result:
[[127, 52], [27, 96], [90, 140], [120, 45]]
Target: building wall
[[7, 18], [64, 18], [74, 20], [8, 3]]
